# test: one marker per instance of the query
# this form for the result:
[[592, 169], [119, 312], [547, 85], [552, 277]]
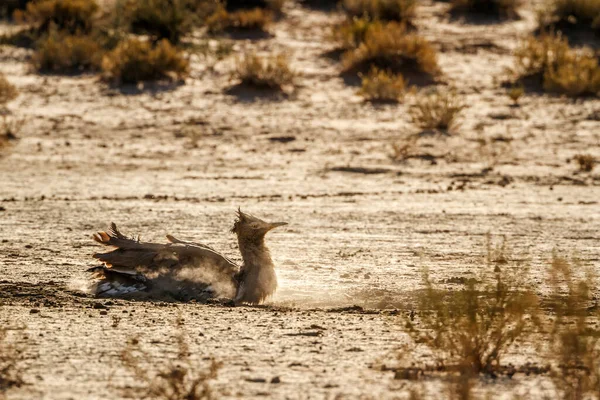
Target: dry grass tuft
[[8, 7], [388, 10], [273, 5], [256, 19], [271, 72], [167, 19], [176, 380], [515, 93], [586, 162], [69, 15], [8, 91], [134, 61], [575, 331], [437, 110], [492, 8], [571, 14], [10, 373], [382, 86], [351, 33], [470, 330], [549, 62], [390, 47], [67, 54]]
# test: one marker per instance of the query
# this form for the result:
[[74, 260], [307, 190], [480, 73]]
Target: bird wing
[[132, 256]]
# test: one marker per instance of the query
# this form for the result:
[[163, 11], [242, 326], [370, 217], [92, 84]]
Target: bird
[[183, 270]]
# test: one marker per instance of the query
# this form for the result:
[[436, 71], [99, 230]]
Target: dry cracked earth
[[182, 159]]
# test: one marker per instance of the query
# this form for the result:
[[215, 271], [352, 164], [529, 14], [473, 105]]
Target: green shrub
[[64, 53], [134, 61]]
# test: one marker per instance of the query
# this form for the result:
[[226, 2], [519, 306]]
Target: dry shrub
[[273, 5], [515, 93], [69, 15], [390, 47], [470, 330], [575, 331], [167, 19], [10, 373], [382, 86], [437, 110], [134, 61], [8, 7], [573, 13], [176, 380], [492, 8], [585, 162], [64, 53], [256, 19], [389, 10], [271, 72], [8, 91], [352, 32], [549, 62]]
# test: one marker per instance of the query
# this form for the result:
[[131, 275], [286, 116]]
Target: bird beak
[[276, 224]]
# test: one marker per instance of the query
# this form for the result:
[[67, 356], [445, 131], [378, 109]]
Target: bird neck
[[255, 253]]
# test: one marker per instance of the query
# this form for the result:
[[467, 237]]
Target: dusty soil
[[181, 160]]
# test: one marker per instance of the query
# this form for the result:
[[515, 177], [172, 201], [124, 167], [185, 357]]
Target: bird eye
[[254, 225]]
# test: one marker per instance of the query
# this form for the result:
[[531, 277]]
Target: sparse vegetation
[[470, 330], [8, 91], [271, 72], [8, 7], [437, 110], [382, 86], [515, 93], [492, 8], [389, 10], [562, 15], [134, 61], [168, 19], [585, 162], [549, 62], [575, 330], [68, 15], [256, 19], [390, 47], [351, 33], [10, 373], [273, 5], [175, 380], [65, 53]]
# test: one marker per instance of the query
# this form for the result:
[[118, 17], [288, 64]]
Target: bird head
[[252, 229]]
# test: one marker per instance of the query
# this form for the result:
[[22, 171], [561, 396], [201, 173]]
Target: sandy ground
[[361, 226]]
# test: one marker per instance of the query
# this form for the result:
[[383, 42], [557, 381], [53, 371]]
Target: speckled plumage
[[187, 270]]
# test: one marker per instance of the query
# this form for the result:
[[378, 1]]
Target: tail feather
[[114, 237], [113, 282]]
